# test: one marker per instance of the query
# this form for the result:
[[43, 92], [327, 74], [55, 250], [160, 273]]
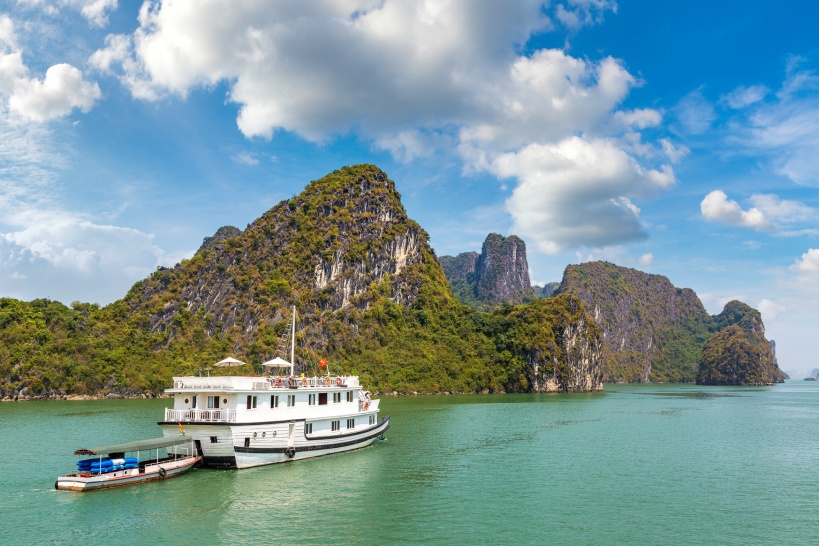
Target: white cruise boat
[[246, 421]]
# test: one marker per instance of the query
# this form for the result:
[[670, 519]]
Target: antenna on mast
[[293, 343]]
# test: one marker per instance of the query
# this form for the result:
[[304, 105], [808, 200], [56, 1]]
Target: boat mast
[[293, 344]]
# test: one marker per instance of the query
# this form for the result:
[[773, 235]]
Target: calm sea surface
[[639, 464]]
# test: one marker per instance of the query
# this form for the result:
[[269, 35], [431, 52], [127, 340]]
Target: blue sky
[[679, 138]]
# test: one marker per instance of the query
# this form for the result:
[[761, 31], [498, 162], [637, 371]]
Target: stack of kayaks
[[101, 466]]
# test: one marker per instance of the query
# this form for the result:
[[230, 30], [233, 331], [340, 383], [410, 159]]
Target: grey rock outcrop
[[222, 234], [581, 369], [499, 274]]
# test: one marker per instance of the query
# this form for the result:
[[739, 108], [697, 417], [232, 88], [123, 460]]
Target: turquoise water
[[638, 464]]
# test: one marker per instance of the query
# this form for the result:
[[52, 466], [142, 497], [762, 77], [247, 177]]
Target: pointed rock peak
[[502, 269], [222, 234], [736, 312], [354, 181]]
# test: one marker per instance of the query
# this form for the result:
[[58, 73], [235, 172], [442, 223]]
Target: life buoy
[[278, 381], [327, 381], [162, 472], [303, 381], [338, 381]]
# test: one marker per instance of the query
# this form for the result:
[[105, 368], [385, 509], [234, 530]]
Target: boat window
[[350, 423], [274, 401], [322, 399], [213, 439], [291, 400], [308, 428], [372, 419], [247, 442], [251, 402], [336, 397], [311, 399], [349, 396], [193, 401], [213, 402], [336, 425]]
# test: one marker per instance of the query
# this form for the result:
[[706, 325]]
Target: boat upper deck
[[258, 383]]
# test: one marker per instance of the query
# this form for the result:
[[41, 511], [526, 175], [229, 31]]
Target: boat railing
[[284, 382], [256, 383], [202, 415], [368, 405]]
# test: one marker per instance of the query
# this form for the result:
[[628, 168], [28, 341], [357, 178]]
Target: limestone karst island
[[375, 301]]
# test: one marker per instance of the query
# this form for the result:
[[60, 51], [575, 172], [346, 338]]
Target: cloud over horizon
[[416, 79]]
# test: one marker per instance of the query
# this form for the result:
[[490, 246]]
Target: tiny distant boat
[[811, 378], [110, 468]]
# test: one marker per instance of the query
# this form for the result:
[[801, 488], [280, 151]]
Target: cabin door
[[198, 444], [291, 439]]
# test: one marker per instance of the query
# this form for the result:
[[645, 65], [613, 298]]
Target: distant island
[[375, 301]]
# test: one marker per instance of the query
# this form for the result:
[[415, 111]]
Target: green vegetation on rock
[[370, 294], [738, 354], [652, 330]]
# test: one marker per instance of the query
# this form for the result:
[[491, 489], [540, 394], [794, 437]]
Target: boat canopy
[[140, 445]]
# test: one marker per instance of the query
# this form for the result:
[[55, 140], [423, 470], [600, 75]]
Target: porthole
[[224, 401], [274, 433], [263, 434], [254, 434], [186, 400]]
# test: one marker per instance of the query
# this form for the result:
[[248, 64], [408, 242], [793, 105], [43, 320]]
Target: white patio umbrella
[[279, 363], [229, 362]]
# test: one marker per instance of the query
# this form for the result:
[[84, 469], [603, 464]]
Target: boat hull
[[85, 481], [231, 451]]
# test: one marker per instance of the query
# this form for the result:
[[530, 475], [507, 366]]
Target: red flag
[[323, 362], [182, 430]]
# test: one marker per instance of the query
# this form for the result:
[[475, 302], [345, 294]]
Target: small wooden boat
[[110, 467]]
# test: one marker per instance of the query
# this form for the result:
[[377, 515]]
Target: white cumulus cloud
[[414, 78], [770, 310], [717, 207], [809, 262], [578, 193], [61, 90]]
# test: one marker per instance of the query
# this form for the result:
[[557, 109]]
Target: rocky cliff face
[[321, 250], [739, 354], [222, 234], [499, 274], [460, 268], [547, 290], [502, 271], [652, 331], [581, 350], [370, 294], [556, 345]]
